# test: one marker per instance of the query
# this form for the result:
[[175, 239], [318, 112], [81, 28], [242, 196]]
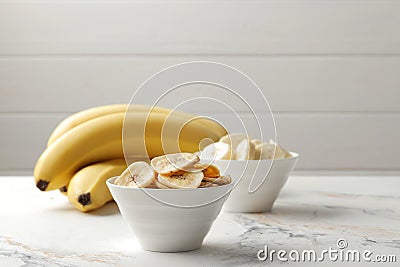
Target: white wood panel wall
[[330, 69]]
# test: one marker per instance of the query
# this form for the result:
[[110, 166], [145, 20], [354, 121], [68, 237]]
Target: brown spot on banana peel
[[84, 199], [64, 189], [42, 185]]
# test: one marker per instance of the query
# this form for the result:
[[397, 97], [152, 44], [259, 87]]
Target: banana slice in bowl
[[138, 174], [259, 170], [171, 163], [233, 139], [181, 180], [245, 150]]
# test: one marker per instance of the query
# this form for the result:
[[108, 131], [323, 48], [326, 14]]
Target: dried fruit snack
[[172, 171], [238, 146]]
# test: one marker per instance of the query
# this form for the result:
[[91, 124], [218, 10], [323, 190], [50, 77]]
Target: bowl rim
[[295, 155], [109, 183]]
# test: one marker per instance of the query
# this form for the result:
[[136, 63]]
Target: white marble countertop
[[43, 229]]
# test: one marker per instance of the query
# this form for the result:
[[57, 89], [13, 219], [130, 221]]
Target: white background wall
[[331, 69]]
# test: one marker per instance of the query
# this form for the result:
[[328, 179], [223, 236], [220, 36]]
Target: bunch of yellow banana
[[88, 147]]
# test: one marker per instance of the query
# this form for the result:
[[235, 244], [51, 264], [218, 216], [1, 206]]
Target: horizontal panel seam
[[180, 55], [276, 113], [328, 172]]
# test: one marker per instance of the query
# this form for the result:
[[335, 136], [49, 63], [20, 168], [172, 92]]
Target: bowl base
[[169, 249]]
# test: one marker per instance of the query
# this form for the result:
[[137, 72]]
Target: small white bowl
[[240, 199], [167, 228]]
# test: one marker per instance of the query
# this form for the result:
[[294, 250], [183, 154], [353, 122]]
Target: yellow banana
[[92, 113], [94, 141], [100, 139], [81, 117], [88, 190]]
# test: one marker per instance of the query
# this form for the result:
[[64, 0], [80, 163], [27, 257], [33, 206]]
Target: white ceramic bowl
[[165, 228], [240, 200]]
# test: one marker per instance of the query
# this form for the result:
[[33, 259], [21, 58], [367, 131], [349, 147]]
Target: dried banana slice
[[223, 151], [138, 174], [281, 150], [208, 170], [132, 184], [211, 171], [152, 185], [245, 150], [233, 139], [256, 142], [197, 167], [208, 152], [171, 163], [161, 186], [257, 153], [209, 179], [207, 184], [185, 180], [223, 180], [217, 151], [267, 150]]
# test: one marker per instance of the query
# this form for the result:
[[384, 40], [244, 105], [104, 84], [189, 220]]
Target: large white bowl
[[167, 228], [240, 199]]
